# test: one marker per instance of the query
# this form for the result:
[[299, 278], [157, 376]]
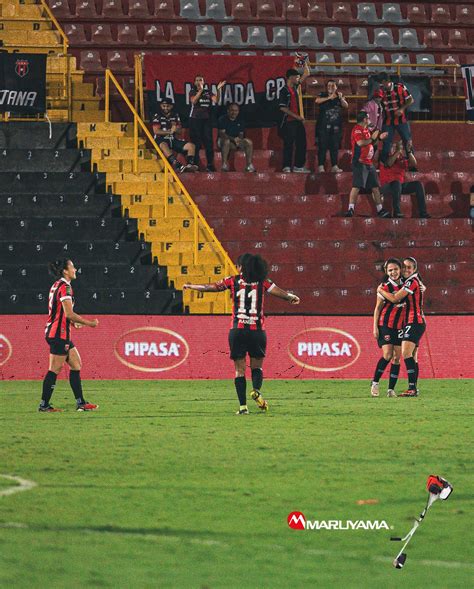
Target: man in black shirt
[[329, 125], [231, 137], [167, 129]]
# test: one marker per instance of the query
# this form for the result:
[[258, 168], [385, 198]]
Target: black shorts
[[389, 335], [246, 341], [364, 176], [59, 347], [174, 144], [413, 332]]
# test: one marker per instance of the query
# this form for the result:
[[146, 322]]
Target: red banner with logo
[[253, 82], [184, 347]]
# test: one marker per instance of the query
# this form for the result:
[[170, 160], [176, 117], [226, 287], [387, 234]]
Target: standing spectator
[[291, 128], [375, 111], [364, 174], [200, 123], [392, 180], [232, 137], [167, 130], [329, 125], [396, 99]]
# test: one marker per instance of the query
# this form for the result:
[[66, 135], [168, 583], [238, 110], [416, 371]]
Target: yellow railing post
[[195, 237], [135, 143], [107, 94], [166, 191]]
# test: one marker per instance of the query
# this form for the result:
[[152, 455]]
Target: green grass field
[[165, 487]]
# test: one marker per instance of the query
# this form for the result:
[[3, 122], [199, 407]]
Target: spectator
[[375, 111], [364, 174], [232, 137], [291, 128], [329, 125], [392, 180], [200, 123], [396, 99], [167, 129], [471, 210]]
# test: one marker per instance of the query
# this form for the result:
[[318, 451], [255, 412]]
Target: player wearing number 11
[[247, 334]]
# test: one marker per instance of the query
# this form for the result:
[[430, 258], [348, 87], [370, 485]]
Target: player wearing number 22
[[247, 334]]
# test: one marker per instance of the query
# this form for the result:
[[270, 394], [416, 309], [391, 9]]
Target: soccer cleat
[[409, 393], [374, 389], [242, 412], [87, 407], [262, 404], [48, 409], [286, 170], [391, 393], [349, 213], [383, 214]]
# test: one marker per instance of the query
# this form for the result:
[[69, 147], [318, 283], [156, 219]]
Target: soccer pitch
[[165, 487]]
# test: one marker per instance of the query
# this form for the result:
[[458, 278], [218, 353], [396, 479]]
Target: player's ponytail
[[254, 268], [57, 267]]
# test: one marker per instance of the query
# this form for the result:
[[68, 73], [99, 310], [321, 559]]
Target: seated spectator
[[232, 137], [364, 174], [167, 129], [375, 111], [393, 181], [329, 125]]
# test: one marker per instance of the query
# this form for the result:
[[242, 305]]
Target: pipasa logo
[[324, 349], [296, 520], [151, 349], [5, 350]]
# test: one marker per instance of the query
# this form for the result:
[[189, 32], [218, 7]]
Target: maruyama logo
[[151, 349], [297, 521], [5, 350], [324, 349]]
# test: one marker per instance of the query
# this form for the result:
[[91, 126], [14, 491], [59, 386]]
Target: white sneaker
[[302, 170], [321, 169], [336, 169], [225, 168], [286, 170], [391, 393], [374, 389], [250, 168]]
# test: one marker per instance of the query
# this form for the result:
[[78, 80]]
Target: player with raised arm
[[414, 325], [58, 336], [388, 323], [247, 334]]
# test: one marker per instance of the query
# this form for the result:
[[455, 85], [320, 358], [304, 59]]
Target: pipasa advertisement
[[253, 82], [196, 347]]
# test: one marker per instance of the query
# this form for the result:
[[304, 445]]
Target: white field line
[[23, 485]]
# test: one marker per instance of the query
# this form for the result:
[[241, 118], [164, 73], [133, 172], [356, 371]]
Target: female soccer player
[[415, 324], [58, 336], [247, 334], [388, 322]]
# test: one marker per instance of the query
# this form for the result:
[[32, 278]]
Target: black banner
[[23, 83]]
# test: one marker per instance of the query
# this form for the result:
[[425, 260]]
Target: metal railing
[[169, 176]]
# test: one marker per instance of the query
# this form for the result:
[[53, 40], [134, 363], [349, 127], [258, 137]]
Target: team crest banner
[[22, 83], [253, 82], [468, 75]]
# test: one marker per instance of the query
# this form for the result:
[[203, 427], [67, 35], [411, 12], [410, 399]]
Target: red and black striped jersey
[[58, 325], [414, 300], [392, 100], [392, 314], [247, 301]]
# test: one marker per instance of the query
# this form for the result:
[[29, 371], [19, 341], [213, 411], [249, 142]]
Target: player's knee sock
[[380, 368], [76, 385], [417, 371], [394, 372], [257, 378], [49, 383], [411, 371], [241, 388]]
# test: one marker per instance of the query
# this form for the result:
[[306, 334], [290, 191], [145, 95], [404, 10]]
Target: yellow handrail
[[384, 64], [169, 170], [57, 25]]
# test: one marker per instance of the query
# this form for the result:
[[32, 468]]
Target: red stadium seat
[[76, 34], [317, 11], [315, 85], [449, 59], [465, 14], [457, 38], [164, 10], [416, 14], [60, 9], [362, 87], [433, 39], [292, 11], [101, 34], [155, 35], [86, 9], [343, 85], [341, 12], [112, 8], [440, 13], [441, 87], [138, 9], [90, 60], [117, 61], [180, 35], [127, 34], [241, 10], [266, 10]]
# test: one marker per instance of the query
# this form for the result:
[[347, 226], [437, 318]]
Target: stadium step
[[37, 135], [51, 182], [38, 160], [61, 205]]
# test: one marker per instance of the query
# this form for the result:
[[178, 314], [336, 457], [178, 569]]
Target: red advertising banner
[[195, 347], [253, 82]]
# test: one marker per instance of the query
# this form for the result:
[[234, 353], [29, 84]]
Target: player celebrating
[[58, 336], [247, 334], [414, 325], [388, 323]]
